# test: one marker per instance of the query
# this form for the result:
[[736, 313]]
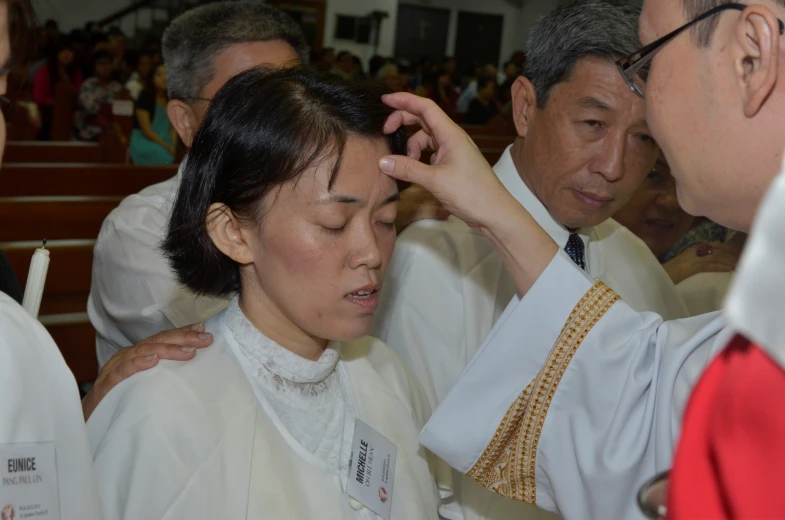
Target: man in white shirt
[[575, 399], [134, 293], [583, 149]]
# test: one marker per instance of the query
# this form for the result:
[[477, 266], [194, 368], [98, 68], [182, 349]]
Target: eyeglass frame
[[630, 66]]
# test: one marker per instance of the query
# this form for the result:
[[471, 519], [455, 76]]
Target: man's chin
[[585, 220]]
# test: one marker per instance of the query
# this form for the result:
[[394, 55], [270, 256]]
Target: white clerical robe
[[575, 399], [134, 293], [41, 406], [195, 440], [446, 286], [704, 292]]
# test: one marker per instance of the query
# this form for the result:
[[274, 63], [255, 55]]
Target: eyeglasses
[[632, 66]]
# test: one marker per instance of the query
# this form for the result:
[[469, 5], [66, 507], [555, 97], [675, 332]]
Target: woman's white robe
[[190, 440]]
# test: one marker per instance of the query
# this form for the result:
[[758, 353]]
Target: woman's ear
[[227, 234], [183, 119]]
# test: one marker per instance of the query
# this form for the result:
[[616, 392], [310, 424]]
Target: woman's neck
[[273, 323]]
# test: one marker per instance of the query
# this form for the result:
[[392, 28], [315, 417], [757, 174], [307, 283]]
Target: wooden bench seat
[[52, 152], [79, 179], [53, 218]]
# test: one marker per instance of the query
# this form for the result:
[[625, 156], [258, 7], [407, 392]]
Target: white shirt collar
[[507, 173], [754, 305]]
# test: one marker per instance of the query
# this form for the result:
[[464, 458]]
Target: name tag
[[28, 482], [372, 470]]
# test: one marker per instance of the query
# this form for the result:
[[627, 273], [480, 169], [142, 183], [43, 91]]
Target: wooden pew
[[63, 113], [20, 126], [64, 306], [496, 126], [78, 179], [68, 280], [493, 142], [492, 155], [66, 204], [52, 152], [75, 337], [53, 218], [116, 136]]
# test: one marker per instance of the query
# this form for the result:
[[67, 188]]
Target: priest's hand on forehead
[[459, 176]]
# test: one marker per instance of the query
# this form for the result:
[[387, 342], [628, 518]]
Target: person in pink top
[[59, 66]]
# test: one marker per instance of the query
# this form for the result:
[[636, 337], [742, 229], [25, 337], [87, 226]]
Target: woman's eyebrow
[[349, 199], [395, 197]]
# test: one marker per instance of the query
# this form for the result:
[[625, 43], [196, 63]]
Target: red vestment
[[730, 462]]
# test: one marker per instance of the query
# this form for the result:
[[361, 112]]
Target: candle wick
[[44, 242]]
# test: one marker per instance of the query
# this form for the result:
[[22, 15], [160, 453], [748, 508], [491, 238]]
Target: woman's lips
[[367, 300]]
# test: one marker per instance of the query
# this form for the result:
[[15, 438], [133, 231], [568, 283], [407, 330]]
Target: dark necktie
[[575, 249]]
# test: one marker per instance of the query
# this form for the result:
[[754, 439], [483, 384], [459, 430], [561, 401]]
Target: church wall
[[72, 14], [517, 20], [361, 8]]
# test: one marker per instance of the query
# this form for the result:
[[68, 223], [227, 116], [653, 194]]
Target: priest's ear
[[184, 119], [756, 53], [228, 234], [524, 104]]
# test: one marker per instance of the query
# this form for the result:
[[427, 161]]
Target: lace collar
[[281, 362]]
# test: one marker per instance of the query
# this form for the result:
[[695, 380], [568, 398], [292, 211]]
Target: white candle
[[34, 289]]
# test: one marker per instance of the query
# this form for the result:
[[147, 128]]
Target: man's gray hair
[[704, 30], [194, 38], [600, 28]]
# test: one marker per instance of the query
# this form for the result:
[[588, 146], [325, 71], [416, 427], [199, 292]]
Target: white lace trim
[[310, 398]]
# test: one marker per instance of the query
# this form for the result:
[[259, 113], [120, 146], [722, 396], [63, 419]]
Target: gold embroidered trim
[[507, 466]]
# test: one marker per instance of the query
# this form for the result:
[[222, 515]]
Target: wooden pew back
[[68, 280], [53, 218], [63, 113], [66, 204], [52, 152], [78, 179]]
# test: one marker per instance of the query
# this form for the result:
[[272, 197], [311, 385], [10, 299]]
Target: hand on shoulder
[[177, 344]]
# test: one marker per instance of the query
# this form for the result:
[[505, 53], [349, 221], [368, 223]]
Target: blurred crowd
[[473, 96]]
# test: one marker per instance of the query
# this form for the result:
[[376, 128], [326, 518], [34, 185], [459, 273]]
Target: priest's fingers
[[417, 143], [411, 109]]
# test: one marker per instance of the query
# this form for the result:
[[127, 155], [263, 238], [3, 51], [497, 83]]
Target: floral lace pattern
[[310, 398]]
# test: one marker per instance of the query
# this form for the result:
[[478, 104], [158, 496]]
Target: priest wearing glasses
[[575, 400]]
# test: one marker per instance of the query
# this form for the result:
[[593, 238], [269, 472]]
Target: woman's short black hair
[[263, 128]]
